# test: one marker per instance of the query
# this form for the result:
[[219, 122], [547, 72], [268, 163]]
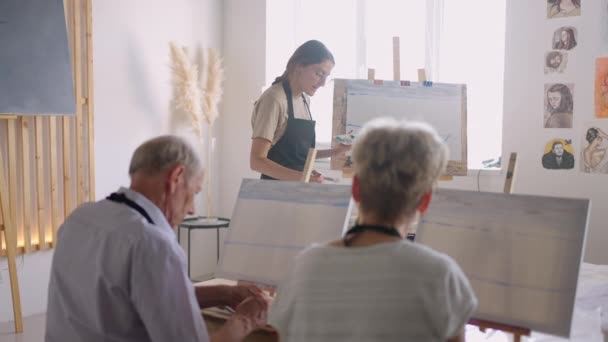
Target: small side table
[[202, 222]]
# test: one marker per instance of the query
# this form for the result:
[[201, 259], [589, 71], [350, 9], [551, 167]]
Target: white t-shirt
[[397, 291], [269, 117], [116, 277]]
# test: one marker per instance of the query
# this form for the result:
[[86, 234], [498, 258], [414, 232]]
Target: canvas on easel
[[521, 253], [441, 105], [273, 221]]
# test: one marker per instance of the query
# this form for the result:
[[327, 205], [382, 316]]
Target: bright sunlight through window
[[455, 41]]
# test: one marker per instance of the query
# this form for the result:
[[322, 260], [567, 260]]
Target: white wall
[[244, 55], [132, 92], [132, 76], [527, 39]]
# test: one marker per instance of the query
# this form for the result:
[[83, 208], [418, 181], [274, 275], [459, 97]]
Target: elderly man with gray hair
[[118, 272], [374, 285]]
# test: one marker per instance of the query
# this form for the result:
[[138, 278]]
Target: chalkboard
[[521, 253], [441, 105], [35, 68]]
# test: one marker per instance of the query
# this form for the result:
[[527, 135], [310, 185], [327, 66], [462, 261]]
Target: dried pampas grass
[[195, 100], [187, 95], [213, 88]]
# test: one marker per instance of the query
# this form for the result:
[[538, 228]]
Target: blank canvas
[[521, 253], [274, 220]]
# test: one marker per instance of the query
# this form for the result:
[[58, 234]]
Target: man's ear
[[424, 203], [175, 176], [355, 189]]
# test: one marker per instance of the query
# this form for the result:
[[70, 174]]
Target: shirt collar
[[157, 216]]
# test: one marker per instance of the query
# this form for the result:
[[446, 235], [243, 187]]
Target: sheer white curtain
[[455, 41], [359, 34], [471, 51]]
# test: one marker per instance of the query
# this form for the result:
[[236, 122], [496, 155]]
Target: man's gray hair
[[161, 153], [397, 162]]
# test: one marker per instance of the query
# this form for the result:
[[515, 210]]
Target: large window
[[455, 41]]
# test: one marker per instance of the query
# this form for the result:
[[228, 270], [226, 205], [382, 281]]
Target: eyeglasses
[[322, 75]]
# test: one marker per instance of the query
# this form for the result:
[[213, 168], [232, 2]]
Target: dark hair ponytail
[[311, 52]]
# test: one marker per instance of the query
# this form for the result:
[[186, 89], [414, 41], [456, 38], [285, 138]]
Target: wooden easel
[[510, 173], [10, 237], [517, 332], [371, 73], [310, 162]]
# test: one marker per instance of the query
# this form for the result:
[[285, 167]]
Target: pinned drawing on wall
[[601, 87], [563, 8], [595, 141], [555, 62], [559, 105], [564, 38], [558, 155]]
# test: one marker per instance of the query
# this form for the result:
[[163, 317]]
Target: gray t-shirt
[[397, 291]]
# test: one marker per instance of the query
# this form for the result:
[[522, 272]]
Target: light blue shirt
[[116, 277]]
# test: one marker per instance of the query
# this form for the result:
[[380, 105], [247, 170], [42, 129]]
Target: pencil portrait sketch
[[559, 105], [558, 155], [563, 8], [555, 62], [564, 38]]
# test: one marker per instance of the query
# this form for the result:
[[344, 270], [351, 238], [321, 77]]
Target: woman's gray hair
[[161, 153], [396, 162]]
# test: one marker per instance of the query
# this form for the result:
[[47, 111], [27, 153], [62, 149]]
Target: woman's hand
[[316, 177]]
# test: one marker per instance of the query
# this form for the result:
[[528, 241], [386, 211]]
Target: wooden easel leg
[[510, 173], [11, 247], [310, 162]]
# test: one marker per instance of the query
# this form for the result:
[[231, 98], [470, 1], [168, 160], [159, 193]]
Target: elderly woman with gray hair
[[374, 285]]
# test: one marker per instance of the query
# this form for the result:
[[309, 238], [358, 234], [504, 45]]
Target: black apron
[[121, 198], [292, 148]]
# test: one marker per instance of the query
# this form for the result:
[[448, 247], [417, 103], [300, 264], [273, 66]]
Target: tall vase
[[209, 170]]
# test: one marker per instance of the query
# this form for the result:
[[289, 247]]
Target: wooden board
[[10, 239], [41, 203], [27, 188]]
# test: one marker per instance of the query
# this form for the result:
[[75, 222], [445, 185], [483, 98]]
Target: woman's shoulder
[[275, 92]]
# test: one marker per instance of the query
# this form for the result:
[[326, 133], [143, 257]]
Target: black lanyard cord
[[358, 228], [121, 198]]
